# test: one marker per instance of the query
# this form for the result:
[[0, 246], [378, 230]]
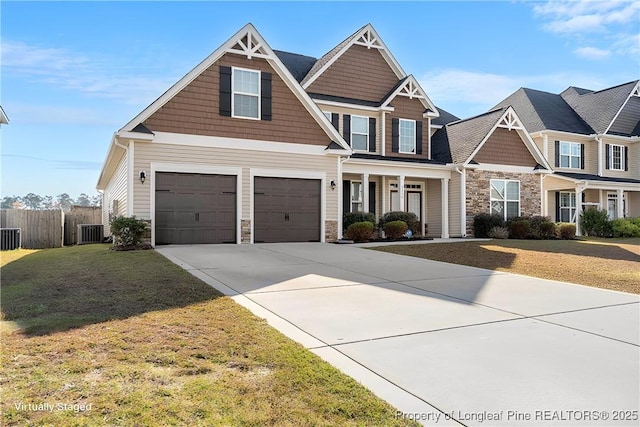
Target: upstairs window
[[505, 198], [407, 129], [617, 157], [360, 133], [246, 93], [570, 155]]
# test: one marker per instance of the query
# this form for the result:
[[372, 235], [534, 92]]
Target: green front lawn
[[128, 338]]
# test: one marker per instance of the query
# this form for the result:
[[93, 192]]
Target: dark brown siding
[[505, 147], [195, 110], [360, 73], [411, 109]]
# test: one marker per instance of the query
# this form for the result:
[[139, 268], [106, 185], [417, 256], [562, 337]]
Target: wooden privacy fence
[[79, 215], [40, 229], [49, 228]]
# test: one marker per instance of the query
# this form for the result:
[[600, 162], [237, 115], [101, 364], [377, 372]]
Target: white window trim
[[234, 92], [506, 199], [572, 209], [570, 156], [611, 163], [415, 143], [359, 200], [359, 133]]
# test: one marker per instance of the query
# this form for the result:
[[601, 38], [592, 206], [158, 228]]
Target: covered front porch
[[379, 186], [565, 197]]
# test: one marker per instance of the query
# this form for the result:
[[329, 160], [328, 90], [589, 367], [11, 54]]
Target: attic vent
[[90, 233], [10, 238]]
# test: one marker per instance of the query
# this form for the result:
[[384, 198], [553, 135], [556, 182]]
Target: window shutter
[[557, 206], [607, 156], [372, 197], [395, 135], [418, 136], [346, 128], [372, 134], [557, 154], [626, 158], [346, 196], [335, 120], [265, 96], [225, 91], [581, 156]]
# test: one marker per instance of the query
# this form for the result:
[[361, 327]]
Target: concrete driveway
[[445, 344]]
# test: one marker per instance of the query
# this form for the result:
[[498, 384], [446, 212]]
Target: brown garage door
[[195, 208], [286, 210]]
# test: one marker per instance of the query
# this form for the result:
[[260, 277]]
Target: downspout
[[463, 208]]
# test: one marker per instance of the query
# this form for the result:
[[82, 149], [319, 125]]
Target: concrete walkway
[[445, 344]]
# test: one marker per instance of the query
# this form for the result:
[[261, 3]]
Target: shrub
[[484, 222], [566, 230], [519, 229], [409, 218], [536, 222], [349, 218], [499, 233], [622, 227], [127, 231], [595, 222], [547, 230], [360, 231], [395, 229]]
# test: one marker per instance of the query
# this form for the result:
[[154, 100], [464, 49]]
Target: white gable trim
[[255, 47], [367, 36], [510, 118], [412, 89], [634, 92]]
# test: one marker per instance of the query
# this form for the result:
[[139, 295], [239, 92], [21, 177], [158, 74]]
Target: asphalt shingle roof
[[456, 141], [298, 65], [589, 177], [540, 110], [445, 117]]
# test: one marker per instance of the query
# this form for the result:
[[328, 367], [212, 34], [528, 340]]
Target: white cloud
[[466, 93], [93, 76], [592, 53], [617, 20]]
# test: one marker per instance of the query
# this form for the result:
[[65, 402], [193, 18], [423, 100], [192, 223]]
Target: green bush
[[349, 218], [519, 229], [483, 223], [499, 233], [127, 231], [409, 218], [595, 222], [360, 231], [623, 227], [395, 229], [547, 230], [566, 230]]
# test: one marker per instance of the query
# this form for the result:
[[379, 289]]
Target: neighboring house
[[4, 120], [259, 145], [592, 141], [498, 167]]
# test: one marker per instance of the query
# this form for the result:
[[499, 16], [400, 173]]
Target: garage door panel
[[195, 208], [286, 210]]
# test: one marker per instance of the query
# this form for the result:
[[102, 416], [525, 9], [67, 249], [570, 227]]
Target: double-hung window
[[567, 207], [570, 153], [246, 93], [616, 158], [407, 129], [360, 133], [505, 198]]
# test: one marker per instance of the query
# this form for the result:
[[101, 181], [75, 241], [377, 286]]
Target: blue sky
[[75, 72]]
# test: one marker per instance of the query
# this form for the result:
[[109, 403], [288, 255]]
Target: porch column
[[365, 192], [620, 204], [401, 193], [383, 194], [444, 193], [578, 210]]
